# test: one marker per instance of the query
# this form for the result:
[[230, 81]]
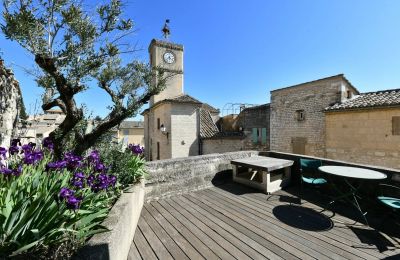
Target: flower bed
[[45, 203]]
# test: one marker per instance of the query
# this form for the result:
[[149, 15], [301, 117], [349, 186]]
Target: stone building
[[172, 121], [297, 119], [37, 127], [10, 101], [365, 129], [129, 132]]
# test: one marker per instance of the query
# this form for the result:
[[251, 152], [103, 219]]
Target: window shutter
[[396, 125], [264, 136], [255, 135]]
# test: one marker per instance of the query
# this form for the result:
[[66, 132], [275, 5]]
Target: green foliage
[[76, 48], [32, 213], [128, 167]]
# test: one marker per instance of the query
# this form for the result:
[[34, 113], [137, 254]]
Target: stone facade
[[222, 145], [174, 88], [10, 98], [363, 136], [255, 119], [297, 117]]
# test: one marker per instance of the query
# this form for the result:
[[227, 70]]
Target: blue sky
[[237, 51]]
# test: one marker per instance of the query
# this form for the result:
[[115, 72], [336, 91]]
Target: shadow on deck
[[232, 221]]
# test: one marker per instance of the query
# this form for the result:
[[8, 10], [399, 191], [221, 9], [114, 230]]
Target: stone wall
[[287, 132], [10, 96], [255, 117], [363, 136], [176, 176], [222, 145]]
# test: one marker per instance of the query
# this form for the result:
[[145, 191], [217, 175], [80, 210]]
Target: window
[[39, 135], [255, 135], [263, 135], [396, 125], [158, 150], [300, 115], [158, 123], [348, 94], [125, 131]]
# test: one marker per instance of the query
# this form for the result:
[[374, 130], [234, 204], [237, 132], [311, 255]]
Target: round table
[[347, 173], [353, 172]]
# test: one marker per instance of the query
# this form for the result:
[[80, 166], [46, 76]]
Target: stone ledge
[[122, 221], [181, 175]]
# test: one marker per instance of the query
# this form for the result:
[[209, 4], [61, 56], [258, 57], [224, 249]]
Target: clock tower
[[169, 57]]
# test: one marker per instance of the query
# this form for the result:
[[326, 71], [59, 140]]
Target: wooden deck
[[235, 222]]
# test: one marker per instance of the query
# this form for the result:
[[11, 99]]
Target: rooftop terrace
[[232, 221]]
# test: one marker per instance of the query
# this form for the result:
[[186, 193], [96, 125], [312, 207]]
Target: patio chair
[[389, 196], [310, 175]]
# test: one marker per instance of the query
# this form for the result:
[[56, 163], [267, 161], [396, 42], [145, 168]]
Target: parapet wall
[[182, 175]]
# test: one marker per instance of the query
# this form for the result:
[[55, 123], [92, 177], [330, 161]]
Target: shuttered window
[[396, 125], [264, 135], [255, 135]]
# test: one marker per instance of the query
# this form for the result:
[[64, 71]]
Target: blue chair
[[390, 197], [310, 175]]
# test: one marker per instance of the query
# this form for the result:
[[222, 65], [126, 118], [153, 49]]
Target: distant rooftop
[[322, 79], [383, 98], [185, 98]]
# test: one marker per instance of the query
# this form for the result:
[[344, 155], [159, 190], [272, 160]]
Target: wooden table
[[264, 173]]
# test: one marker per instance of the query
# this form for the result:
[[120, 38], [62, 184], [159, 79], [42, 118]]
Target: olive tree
[[74, 48]]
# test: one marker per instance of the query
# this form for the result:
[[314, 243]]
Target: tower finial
[[165, 30]]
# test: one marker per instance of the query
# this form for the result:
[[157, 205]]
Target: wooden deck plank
[[325, 238], [244, 243], [236, 222], [261, 237], [143, 247], [189, 236], [309, 240], [207, 239], [222, 241], [134, 253], [286, 240], [181, 241], [158, 247], [340, 235], [175, 251]]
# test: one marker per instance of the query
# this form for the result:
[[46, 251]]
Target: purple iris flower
[[48, 143], [3, 152], [58, 165], [136, 149], [73, 202], [13, 150], [73, 161], [6, 171], [17, 171], [78, 180], [112, 180], [27, 148], [94, 156], [16, 142], [33, 157], [66, 193]]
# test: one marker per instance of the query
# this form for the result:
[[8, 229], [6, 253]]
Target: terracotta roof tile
[[207, 126], [384, 98]]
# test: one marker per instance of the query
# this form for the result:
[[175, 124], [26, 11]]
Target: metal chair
[[390, 197], [310, 175]]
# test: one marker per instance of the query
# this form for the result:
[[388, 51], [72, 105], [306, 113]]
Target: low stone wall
[[181, 175], [122, 221]]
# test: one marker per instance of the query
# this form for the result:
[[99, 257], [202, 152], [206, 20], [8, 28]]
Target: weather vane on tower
[[166, 32]]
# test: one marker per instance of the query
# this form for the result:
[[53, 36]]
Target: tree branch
[[57, 102]]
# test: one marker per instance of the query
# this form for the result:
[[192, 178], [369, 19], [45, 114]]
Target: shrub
[[125, 163], [46, 202]]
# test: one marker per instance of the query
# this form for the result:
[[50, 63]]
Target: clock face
[[169, 57]]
